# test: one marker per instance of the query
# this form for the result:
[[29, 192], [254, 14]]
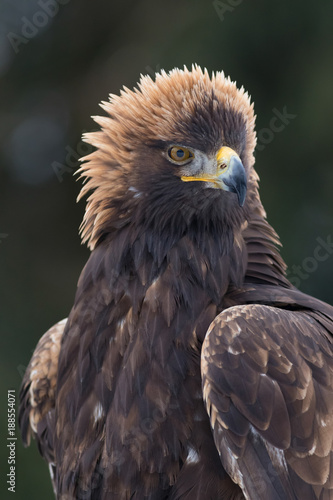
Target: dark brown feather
[[37, 395], [285, 397]]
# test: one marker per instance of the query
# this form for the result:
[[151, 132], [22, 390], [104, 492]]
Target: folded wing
[[37, 396], [268, 388]]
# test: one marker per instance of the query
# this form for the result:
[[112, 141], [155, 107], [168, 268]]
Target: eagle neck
[[182, 259]]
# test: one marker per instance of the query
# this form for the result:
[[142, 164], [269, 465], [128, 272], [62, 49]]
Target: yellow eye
[[179, 154]]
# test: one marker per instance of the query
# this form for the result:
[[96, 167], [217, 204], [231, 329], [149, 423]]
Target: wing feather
[[267, 384], [37, 395]]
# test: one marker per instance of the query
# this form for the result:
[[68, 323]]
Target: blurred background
[[60, 58]]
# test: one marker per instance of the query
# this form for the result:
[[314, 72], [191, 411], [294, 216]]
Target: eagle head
[[175, 150]]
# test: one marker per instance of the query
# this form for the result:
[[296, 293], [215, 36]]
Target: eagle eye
[[180, 155]]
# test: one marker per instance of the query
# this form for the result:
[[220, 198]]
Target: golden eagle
[[189, 367]]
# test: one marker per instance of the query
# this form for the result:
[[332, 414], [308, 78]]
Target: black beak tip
[[241, 194], [237, 181]]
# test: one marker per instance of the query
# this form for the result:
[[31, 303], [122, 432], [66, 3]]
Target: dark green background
[[282, 52]]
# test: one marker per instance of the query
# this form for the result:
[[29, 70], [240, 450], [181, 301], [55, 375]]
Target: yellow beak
[[230, 174]]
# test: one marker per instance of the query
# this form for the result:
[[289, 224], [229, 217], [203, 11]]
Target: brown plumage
[[189, 367]]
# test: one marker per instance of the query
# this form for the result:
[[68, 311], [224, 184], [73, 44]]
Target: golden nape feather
[[189, 367]]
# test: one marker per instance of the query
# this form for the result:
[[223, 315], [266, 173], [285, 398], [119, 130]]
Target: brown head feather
[[187, 107]]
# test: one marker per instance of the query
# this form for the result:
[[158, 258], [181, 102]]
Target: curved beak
[[234, 178], [229, 175]]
